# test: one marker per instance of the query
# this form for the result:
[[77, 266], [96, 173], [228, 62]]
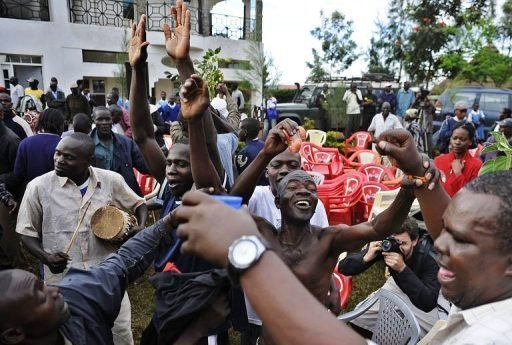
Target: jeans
[[353, 124], [266, 128]]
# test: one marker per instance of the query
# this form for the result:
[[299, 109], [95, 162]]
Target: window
[[493, 102], [99, 56], [24, 59]]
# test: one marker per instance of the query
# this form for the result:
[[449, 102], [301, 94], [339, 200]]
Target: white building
[[85, 39]]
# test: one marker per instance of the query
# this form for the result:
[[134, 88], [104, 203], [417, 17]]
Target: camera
[[390, 244]]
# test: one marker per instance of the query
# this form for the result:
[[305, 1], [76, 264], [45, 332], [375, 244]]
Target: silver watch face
[[244, 253]]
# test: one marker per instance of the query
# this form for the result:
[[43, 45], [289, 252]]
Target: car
[[491, 101], [306, 101]]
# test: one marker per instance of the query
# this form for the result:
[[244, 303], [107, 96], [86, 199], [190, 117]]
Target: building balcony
[[119, 13], [25, 9]]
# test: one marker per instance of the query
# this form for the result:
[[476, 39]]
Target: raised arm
[[140, 118], [399, 144], [274, 145], [177, 40], [195, 100]]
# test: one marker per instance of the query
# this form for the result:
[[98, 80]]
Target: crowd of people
[[265, 270]]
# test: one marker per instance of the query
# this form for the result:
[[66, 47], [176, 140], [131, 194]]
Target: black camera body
[[390, 244]]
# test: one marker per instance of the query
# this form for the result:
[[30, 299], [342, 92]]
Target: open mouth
[[303, 204], [445, 276]]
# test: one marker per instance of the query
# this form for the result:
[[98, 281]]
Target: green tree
[[505, 26], [488, 65], [338, 47], [317, 73]]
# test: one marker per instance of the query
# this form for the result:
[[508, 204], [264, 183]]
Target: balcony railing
[[25, 9], [235, 28], [116, 13], [120, 13], [158, 14]]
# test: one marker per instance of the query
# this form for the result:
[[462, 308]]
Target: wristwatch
[[243, 254]]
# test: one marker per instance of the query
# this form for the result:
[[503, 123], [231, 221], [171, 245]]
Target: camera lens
[[386, 245]]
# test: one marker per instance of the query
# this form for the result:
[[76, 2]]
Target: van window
[[494, 102], [452, 98]]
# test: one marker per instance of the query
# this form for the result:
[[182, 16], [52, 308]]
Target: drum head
[[107, 222]]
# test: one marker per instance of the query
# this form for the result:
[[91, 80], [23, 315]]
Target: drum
[[112, 224]]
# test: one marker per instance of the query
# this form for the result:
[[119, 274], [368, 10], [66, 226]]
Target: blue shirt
[[104, 153], [168, 113], [247, 155], [35, 156], [94, 296], [404, 100]]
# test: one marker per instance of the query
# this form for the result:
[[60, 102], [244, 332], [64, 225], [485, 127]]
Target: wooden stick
[[77, 227]]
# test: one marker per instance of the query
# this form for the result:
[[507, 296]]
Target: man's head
[[51, 121], [407, 85], [387, 88], [462, 137], [28, 309], [505, 114], [353, 87], [460, 109], [73, 156], [475, 246], [74, 89], [325, 87], [369, 88], [163, 95], [280, 166], [506, 127], [33, 83], [112, 98], [249, 129], [6, 101], [13, 80], [53, 84], [117, 113], [407, 237], [476, 106], [296, 197], [235, 86], [386, 108], [178, 169], [82, 123], [103, 121]]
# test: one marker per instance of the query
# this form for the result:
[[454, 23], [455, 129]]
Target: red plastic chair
[[362, 157], [368, 192], [376, 172], [147, 183], [340, 196], [357, 141], [344, 284], [323, 160]]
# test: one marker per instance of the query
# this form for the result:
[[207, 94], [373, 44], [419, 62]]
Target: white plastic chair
[[316, 136], [396, 323]]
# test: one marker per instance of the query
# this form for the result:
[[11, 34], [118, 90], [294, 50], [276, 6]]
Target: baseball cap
[[389, 84], [460, 105], [31, 80], [506, 123], [73, 86]]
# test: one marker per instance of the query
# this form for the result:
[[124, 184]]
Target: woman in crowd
[[458, 165]]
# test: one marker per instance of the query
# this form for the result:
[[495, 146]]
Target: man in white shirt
[[353, 98], [17, 92], [384, 121]]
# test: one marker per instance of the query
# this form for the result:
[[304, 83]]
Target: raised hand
[[399, 145], [277, 140], [13, 205], [137, 53], [177, 40], [194, 97], [208, 227]]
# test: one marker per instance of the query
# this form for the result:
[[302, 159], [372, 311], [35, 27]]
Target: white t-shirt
[[262, 204], [378, 124], [353, 106]]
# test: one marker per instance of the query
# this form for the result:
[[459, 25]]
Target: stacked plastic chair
[[357, 141], [323, 160]]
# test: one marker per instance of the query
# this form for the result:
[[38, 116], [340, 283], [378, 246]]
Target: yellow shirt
[[36, 93]]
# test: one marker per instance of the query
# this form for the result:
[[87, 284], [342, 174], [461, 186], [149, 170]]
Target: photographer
[[413, 270]]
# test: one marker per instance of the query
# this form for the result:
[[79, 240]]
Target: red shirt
[[453, 182]]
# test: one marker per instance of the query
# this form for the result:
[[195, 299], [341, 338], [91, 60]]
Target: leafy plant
[[209, 69], [308, 124], [336, 108], [502, 162], [336, 140]]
